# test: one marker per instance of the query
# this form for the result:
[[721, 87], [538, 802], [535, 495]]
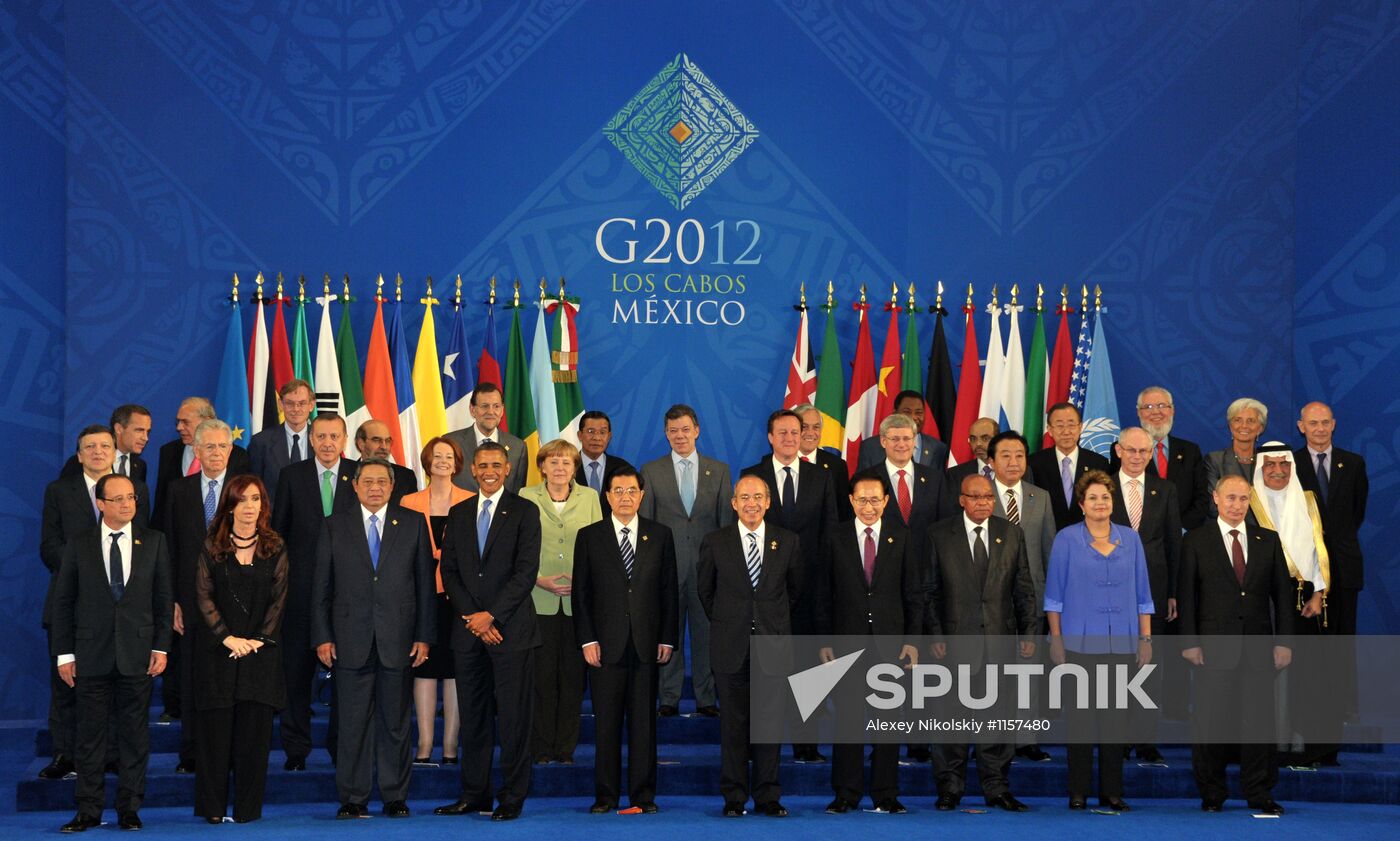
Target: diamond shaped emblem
[[680, 131]]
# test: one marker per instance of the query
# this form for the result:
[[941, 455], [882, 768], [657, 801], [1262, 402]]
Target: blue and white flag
[[1101, 425], [1083, 351]]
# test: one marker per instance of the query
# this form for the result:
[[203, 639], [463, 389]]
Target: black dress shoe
[[1078, 804], [891, 807], [946, 803], [918, 753], [602, 807], [350, 811], [1266, 807], [667, 711], [1117, 804], [543, 760], [1033, 753], [808, 756], [1211, 805], [129, 820], [111, 768], [564, 760], [506, 812], [450, 760], [1148, 753], [213, 819], [424, 762], [185, 768], [733, 809], [80, 823], [396, 809], [294, 763], [707, 711], [61, 767], [648, 807], [773, 809], [1007, 802], [839, 807], [464, 807]]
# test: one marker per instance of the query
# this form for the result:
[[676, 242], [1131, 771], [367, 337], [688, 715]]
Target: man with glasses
[[1175, 459], [979, 435], [178, 458], [374, 439], [278, 446], [1058, 468]]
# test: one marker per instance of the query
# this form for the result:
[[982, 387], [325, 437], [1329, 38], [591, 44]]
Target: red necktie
[[869, 555], [1161, 460], [194, 466], [901, 493], [1237, 556]]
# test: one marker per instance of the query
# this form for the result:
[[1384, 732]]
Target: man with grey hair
[[915, 490], [809, 448], [178, 458], [1175, 459]]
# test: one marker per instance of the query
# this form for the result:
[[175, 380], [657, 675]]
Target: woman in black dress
[[241, 589]]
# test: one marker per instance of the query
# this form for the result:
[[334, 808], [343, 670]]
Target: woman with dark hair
[[241, 589], [442, 459], [1098, 602]]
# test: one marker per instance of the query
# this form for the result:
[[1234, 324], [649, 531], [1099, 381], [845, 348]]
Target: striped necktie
[[629, 557], [754, 560], [1013, 511]]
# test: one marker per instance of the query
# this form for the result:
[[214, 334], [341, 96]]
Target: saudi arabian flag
[[352, 393], [520, 408], [1037, 372], [831, 388], [568, 394]]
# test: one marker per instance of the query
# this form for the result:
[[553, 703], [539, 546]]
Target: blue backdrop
[[1226, 170]]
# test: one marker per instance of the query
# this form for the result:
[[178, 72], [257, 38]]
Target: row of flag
[[418, 397], [1012, 387]]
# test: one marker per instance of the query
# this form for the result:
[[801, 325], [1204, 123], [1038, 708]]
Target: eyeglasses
[[1154, 407], [625, 493], [295, 404], [1135, 451], [120, 500], [868, 501], [751, 497], [980, 497]]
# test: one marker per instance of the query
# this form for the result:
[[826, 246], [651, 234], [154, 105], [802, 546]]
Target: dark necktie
[[980, 559], [295, 455], [754, 561], [595, 481], [789, 496], [628, 556], [121, 467], [114, 562], [1237, 555], [1322, 477], [869, 555]]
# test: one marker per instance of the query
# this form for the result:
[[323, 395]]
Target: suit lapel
[[704, 478], [498, 518], [388, 537], [882, 558], [667, 483], [770, 554]]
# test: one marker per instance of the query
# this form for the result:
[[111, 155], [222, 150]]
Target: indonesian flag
[[1061, 365], [802, 371], [969, 395], [891, 376], [281, 355], [860, 408]]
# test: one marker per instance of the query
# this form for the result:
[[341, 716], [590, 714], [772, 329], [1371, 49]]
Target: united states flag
[[1083, 351]]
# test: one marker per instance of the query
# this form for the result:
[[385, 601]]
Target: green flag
[[913, 376], [301, 347], [352, 391], [520, 408], [568, 394], [831, 388], [1036, 369]]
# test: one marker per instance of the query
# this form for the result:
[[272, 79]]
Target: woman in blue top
[[1098, 602]]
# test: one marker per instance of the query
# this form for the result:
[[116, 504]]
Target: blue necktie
[[594, 480], [687, 486], [374, 540], [754, 560], [483, 525], [1067, 480], [211, 501], [114, 561], [628, 556], [1322, 477]]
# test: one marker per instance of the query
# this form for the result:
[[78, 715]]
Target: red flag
[[802, 372], [281, 352], [1061, 367], [488, 370], [860, 408], [891, 373], [969, 395], [381, 398]]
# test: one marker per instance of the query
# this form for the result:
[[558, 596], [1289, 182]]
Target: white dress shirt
[[778, 474], [1225, 529]]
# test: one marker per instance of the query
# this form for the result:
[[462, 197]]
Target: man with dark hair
[[596, 464], [375, 440], [625, 606], [488, 408], [278, 446], [915, 490], [979, 435], [1066, 462], [928, 451], [131, 427], [689, 495]]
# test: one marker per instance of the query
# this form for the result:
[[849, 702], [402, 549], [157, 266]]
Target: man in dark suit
[[749, 577], [374, 439], [307, 493], [1059, 467], [278, 446], [111, 629], [1232, 584], [190, 503], [70, 511], [874, 587], [178, 458], [978, 587], [804, 503], [597, 466], [915, 491], [810, 449], [131, 427], [373, 612], [979, 435], [626, 609], [487, 407], [928, 451], [687, 493], [490, 560], [1175, 459], [1148, 506]]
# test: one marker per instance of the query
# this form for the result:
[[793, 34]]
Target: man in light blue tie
[[597, 465], [689, 494]]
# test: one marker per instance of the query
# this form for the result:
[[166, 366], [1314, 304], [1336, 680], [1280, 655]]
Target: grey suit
[[711, 511], [515, 456], [1038, 527]]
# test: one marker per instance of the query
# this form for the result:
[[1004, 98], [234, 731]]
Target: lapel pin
[[923, 478], [644, 537], [707, 472], [773, 545], [507, 447], [137, 542], [889, 540], [1152, 493], [1340, 465], [344, 478], [998, 540], [393, 522]]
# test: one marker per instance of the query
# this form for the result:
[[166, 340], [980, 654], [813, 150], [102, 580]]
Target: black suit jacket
[[840, 480], [1210, 601], [611, 464], [615, 611], [932, 453], [736, 608], [1186, 470], [268, 453], [168, 470], [499, 580], [297, 516], [1046, 465], [104, 634], [966, 603], [953, 488], [362, 607], [1160, 533], [185, 530], [926, 495], [891, 604], [1342, 513], [813, 512], [67, 514], [136, 464]]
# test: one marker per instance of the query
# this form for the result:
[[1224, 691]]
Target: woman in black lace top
[[241, 589]]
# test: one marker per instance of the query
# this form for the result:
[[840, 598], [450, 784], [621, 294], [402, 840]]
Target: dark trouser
[[63, 722], [189, 725], [1110, 726], [558, 689], [630, 686], [848, 766], [375, 706], [950, 768], [1223, 696], [1341, 621], [694, 620], [233, 739], [500, 684], [1164, 655], [128, 699], [735, 779], [299, 665], [170, 682]]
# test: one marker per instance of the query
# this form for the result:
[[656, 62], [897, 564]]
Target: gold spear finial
[[301, 288], [544, 286], [1039, 297], [235, 287], [347, 287], [1098, 298], [279, 286], [1064, 297], [457, 298], [862, 293], [1015, 291], [912, 305], [429, 300], [830, 294], [326, 284], [259, 281], [894, 294], [994, 298], [802, 294], [398, 286], [1083, 297], [938, 299], [516, 301], [561, 287], [379, 288]]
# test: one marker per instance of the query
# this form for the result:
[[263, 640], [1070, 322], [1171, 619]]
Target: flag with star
[[890, 376], [231, 395], [458, 377], [1101, 424], [1083, 353]]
